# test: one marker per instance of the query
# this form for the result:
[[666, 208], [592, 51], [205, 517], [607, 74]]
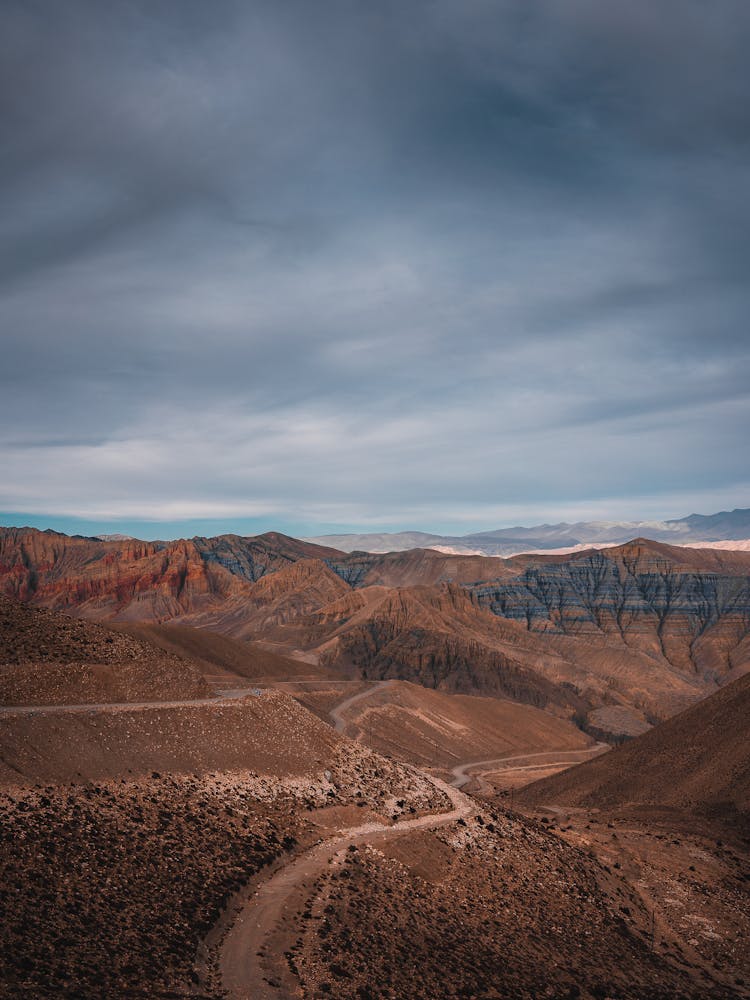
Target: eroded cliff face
[[636, 596], [139, 581], [379, 650], [131, 579]]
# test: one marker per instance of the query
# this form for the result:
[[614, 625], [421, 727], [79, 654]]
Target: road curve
[[461, 776], [337, 712], [242, 974]]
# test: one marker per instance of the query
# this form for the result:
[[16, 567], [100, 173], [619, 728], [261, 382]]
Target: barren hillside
[[643, 628], [698, 760], [50, 658]]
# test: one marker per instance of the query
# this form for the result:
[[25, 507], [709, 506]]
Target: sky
[[448, 265]]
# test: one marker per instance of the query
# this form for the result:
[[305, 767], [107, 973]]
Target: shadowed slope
[[218, 654], [698, 760]]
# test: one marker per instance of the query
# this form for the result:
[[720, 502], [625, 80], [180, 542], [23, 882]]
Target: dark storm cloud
[[425, 262]]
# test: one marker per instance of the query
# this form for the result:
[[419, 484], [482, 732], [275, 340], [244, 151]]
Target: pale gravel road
[[337, 712], [226, 697]]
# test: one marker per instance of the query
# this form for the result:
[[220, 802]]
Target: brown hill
[[50, 658], [432, 728], [437, 637], [277, 599], [698, 760], [224, 658]]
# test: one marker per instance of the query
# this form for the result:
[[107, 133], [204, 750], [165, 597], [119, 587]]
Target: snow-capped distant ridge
[[729, 545], [726, 529]]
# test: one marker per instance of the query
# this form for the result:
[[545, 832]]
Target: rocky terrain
[[108, 889], [493, 906], [49, 658], [126, 830]]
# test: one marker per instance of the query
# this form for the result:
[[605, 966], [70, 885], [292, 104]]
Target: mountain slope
[[698, 760], [50, 658], [140, 581], [645, 627]]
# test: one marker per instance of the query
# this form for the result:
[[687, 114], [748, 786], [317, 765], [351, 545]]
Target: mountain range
[[726, 526], [616, 639]]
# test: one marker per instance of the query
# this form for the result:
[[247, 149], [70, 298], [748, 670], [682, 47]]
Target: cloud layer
[[431, 264]]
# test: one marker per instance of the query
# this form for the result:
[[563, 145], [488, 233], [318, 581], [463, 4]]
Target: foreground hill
[[128, 830], [643, 628], [50, 658], [699, 760]]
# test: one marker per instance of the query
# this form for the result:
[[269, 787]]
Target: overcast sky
[[447, 265]]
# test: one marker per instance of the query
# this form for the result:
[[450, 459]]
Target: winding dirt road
[[114, 706], [243, 974], [337, 712]]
